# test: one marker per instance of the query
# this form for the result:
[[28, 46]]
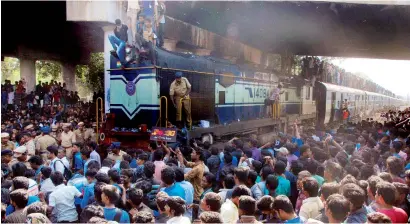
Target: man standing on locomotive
[[180, 89]]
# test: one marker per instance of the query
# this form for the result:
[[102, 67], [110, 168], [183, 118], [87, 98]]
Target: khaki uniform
[[178, 91], [14, 161], [9, 145], [81, 136], [115, 157], [42, 143], [31, 147], [67, 140]]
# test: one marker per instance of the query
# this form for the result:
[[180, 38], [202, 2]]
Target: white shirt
[[311, 208], [95, 156], [229, 212], [62, 199], [179, 220], [65, 162], [32, 187], [58, 165], [47, 186], [222, 193], [11, 97], [31, 147], [104, 169]]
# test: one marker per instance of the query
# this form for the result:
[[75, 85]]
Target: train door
[[333, 107]]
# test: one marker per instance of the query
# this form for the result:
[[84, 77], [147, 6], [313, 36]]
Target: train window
[[308, 93], [221, 97], [286, 96]]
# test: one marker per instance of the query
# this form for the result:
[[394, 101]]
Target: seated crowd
[[356, 173]]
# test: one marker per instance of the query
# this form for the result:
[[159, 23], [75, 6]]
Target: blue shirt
[[119, 188], [88, 193], [295, 220], [189, 191], [283, 186], [31, 199], [38, 171], [407, 166], [174, 190], [299, 142], [79, 182], [86, 165], [78, 161], [109, 214], [234, 161], [133, 164]]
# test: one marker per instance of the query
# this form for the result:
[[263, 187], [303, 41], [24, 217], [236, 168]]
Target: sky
[[393, 75]]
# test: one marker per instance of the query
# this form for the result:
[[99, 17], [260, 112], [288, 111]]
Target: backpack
[[118, 214], [67, 173]]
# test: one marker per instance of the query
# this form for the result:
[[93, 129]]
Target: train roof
[[332, 87]]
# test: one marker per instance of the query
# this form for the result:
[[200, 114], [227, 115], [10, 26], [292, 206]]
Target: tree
[[48, 70], [91, 76], [10, 69]]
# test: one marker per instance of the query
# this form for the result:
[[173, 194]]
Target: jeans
[[119, 47]]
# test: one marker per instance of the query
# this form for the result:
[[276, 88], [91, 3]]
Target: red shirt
[[397, 215]]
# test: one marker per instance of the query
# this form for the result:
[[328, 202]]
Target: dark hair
[[112, 193], [355, 194], [46, 171], [387, 191], [366, 171], [114, 175], [296, 167], [339, 206], [30, 173], [86, 152], [158, 155], [304, 148], [143, 156], [179, 174], [229, 181], [252, 176], [127, 158], [349, 148], [124, 165], [145, 186], [328, 189], [98, 190], [199, 152], [265, 203], [107, 162], [53, 149], [352, 170], [143, 217], [19, 197], [127, 172], [227, 157], [176, 204], [335, 169], [20, 182], [214, 201], [282, 202], [149, 169], [257, 165], [311, 186], [396, 166], [91, 211], [348, 179], [37, 207], [57, 178], [248, 153], [242, 174], [102, 177], [401, 188], [247, 205], [91, 173], [238, 143], [19, 169], [386, 177], [36, 160], [214, 150], [266, 171], [210, 217], [373, 181], [135, 195], [241, 190], [272, 182], [377, 217], [168, 175], [280, 167]]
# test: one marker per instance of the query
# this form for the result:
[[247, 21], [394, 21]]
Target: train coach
[[230, 97]]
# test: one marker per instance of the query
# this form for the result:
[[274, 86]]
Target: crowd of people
[[355, 173]]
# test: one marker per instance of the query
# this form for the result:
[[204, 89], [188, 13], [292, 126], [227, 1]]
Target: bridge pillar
[[108, 30], [69, 76], [28, 73]]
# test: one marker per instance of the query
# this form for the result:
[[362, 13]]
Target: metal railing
[[99, 111]]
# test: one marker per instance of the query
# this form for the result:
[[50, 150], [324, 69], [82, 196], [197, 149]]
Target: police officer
[[45, 141], [5, 142], [180, 89], [20, 155]]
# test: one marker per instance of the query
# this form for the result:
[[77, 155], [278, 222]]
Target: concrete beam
[[28, 73], [95, 11]]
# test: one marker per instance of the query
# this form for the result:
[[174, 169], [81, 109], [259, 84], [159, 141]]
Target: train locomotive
[[230, 97]]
